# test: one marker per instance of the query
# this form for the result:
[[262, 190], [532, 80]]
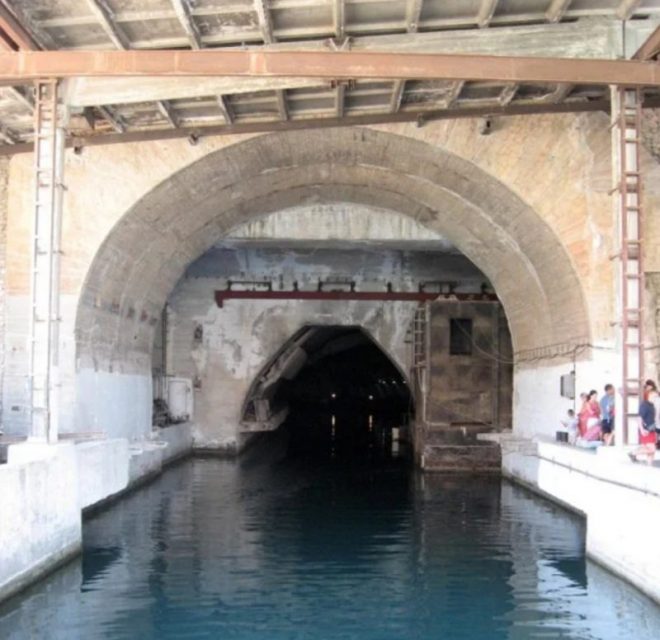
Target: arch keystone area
[[149, 248]]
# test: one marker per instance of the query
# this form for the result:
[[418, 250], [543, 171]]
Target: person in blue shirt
[[607, 414]]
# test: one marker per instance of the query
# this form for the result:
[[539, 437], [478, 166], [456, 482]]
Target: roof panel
[[442, 10], [375, 13], [153, 29], [80, 35], [117, 6], [227, 23], [44, 9]]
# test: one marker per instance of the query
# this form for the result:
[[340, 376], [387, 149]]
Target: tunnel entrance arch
[[148, 250], [374, 377]]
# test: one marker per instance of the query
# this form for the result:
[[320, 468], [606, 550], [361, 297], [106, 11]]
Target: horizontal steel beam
[[418, 116], [330, 65], [360, 296]]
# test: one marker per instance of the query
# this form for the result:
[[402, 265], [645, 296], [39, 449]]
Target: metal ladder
[[420, 354], [44, 320], [626, 122]]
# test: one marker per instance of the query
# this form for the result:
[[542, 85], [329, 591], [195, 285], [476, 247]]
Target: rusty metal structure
[[249, 66], [130, 70]]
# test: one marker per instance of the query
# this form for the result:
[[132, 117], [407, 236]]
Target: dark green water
[[315, 548]]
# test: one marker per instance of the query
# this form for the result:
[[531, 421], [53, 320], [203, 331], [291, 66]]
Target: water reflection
[[320, 547]]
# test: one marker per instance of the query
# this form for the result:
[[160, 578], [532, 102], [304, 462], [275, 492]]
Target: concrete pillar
[[50, 120]]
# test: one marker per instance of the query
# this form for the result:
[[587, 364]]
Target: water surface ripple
[[275, 549]]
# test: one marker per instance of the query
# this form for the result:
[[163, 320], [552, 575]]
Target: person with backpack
[[649, 413]]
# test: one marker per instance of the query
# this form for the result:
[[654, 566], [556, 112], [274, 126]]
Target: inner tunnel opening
[[339, 395], [353, 336]]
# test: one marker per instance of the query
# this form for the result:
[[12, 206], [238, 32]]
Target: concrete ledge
[[40, 514], [620, 500], [46, 488], [39, 570]]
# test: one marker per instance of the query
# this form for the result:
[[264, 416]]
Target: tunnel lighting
[[371, 397], [333, 396]]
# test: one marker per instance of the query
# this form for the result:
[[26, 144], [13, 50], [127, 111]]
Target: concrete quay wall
[[46, 489], [619, 499]]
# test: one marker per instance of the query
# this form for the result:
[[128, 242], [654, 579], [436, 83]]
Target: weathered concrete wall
[[620, 500], [240, 339], [466, 388], [46, 487], [40, 516], [528, 204]]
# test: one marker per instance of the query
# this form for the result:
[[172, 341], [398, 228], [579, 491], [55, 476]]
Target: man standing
[[607, 414]]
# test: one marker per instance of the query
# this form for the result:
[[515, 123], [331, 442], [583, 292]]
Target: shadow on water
[[324, 531]]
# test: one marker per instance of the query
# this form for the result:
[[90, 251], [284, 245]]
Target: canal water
[[319, 543]]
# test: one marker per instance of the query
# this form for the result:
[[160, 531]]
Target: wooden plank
[[23, 66]]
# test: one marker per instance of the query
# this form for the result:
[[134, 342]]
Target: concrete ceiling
[[567, 28]]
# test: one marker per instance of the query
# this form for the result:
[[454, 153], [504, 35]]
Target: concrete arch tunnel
[[266, 404], [149, 249]]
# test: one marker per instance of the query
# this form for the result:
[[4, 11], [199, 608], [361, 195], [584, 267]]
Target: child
[[570, 423]]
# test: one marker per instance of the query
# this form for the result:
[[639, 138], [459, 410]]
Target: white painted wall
[[46, 487], [538, 405], [40, 523], [620, 499]]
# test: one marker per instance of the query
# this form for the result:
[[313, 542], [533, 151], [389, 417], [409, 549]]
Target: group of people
[[594, 423]]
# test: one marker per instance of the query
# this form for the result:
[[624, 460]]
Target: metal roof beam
[[397, 95], [282, 108], [413, 14], [454, 93], [340, 93], [265, 20], [105, 18], [115, 121], [556, 10], [339, 18], [24, 66], [626, 8], [183, 13], [508, 94], [651, 47], [319, 123], [225, 109], [166, 110], [13, 27], [7, 136], [486, 12], [26, 33]]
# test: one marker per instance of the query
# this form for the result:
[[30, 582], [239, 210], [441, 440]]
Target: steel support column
[[47, 223], [627, 190]]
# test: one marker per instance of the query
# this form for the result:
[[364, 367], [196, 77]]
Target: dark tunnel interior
[[344, 398]]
